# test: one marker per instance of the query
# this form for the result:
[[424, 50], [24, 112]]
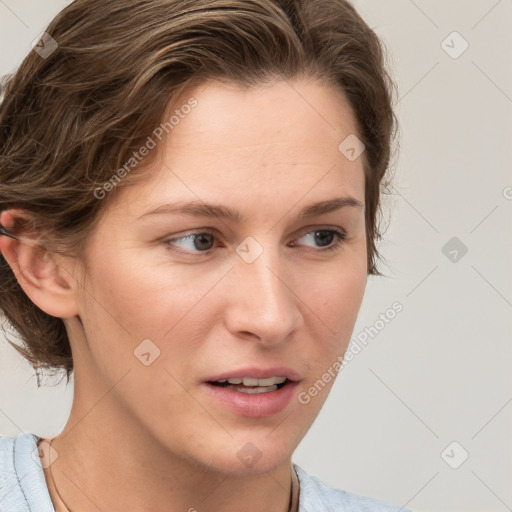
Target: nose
[[262, 301]]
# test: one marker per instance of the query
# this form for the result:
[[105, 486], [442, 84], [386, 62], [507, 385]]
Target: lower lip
[[256, 405]]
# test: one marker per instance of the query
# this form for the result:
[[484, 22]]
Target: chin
[[248, 455]]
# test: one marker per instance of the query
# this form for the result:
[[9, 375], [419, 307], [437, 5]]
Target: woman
[[189, 194]]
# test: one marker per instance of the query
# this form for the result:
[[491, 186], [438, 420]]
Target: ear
[[48, 279]]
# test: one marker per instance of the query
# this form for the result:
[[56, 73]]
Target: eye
[[330, 239], [201, 241]]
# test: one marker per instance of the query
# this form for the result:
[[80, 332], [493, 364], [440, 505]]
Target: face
[[182, 299]]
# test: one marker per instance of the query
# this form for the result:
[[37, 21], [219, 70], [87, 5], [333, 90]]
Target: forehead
[[279, 140], [280, 114]]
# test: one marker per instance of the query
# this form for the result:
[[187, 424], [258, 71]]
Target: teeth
[[238, 380], [249, 381], [250, 391]]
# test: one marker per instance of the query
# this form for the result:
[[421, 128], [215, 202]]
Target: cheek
[[334, 304], [337, 297], [168, 304], [337, 305], [345, 299], [143, 297]]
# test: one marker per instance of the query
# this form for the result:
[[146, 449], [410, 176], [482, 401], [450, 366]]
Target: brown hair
[[70, 117]]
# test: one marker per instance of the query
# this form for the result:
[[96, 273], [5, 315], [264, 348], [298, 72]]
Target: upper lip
[[257, 373]]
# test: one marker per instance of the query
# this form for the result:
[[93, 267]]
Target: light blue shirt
[[23, 485]]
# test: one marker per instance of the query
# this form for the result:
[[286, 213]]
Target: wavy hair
[[81, 104]]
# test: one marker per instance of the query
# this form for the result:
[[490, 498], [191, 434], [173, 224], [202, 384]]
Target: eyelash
[[340, 235]]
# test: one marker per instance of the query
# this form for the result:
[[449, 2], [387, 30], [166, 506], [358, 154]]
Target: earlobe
[[43, 275]]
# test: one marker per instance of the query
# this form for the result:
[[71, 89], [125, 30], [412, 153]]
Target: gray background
[[439, 372]]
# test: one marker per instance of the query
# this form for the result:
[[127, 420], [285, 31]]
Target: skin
[[162, 441]]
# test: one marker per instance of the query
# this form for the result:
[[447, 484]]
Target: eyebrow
[[202, 209]]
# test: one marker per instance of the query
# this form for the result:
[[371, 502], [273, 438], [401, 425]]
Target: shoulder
[[317, 496], [22, 483]]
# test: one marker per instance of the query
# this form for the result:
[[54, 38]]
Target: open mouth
[[261, 386], [254, 397]]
